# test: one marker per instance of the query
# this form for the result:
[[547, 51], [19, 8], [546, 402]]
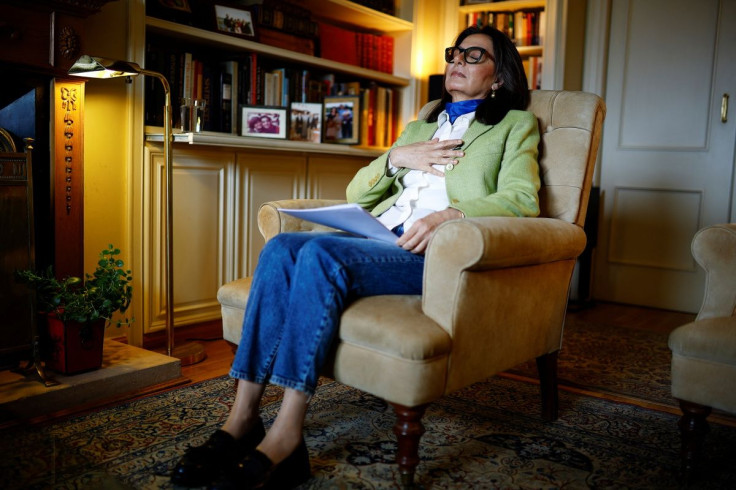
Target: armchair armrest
[[271, 222], [496, 282], [714, 248], [479, 244]]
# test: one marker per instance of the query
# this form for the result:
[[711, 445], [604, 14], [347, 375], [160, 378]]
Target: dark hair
[[513, 92]]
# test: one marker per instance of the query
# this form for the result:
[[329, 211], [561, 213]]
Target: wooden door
[[667, 157]]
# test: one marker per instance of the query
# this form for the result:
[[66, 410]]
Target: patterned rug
[[487, 436], [601, 358]]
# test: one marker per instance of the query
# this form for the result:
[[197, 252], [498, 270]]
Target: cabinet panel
[[328, 176], [201, 238], [264, 177], [217, 195]]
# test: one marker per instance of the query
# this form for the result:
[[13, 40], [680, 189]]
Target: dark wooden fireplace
[[41, 40]]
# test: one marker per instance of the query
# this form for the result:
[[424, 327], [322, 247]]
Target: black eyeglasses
[[472, 55]]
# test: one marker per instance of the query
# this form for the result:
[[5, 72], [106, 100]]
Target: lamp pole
[[88, 66], [169, 211]]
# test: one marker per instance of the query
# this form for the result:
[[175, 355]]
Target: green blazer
[[498, 176]]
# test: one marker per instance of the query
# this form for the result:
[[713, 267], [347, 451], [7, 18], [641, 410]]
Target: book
[[380, 116], [286, 41], [229, 99], [211, 96], [347, 217], [226, 101], [338, 44], [187, 76]]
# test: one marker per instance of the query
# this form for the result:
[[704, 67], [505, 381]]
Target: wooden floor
[[220, 354]]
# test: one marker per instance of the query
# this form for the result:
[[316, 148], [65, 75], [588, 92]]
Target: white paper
[[347, 217]]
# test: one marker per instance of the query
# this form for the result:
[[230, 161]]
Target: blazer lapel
[[425, 131], [475, 130]]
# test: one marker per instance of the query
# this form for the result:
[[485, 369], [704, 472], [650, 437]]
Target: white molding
[[553, 67], [595, 61], [596, 46]]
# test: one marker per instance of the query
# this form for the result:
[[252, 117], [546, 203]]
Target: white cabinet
[[217, 193], [220, 180]]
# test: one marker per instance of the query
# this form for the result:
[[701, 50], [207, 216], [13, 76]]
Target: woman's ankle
[[279, 447], [240, 426]]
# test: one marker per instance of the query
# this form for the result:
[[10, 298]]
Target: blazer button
[[449, 166]]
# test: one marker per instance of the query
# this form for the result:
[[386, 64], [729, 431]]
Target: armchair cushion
[[704, 363], [388, 333], [233, 297], [712, 340], [388, 337]]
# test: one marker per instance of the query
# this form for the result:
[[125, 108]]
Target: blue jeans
[[301, 286]]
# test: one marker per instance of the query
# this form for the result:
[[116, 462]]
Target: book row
[[229, 89], [524, 27], [366, 119], [533, 70], [372, 51], [224, 86]]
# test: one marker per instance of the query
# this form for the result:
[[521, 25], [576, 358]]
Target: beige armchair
[[704, 351], [494, 295]]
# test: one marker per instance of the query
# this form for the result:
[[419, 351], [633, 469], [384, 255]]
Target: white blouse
[[424, 193]]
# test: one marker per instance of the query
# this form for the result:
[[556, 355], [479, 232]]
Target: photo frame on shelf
[[305, 122], [237, 21], [263, 122], [342, 119]]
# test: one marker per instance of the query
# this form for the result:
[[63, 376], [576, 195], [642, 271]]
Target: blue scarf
[[457, 109]]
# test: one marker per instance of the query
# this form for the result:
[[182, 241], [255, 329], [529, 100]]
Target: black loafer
[[256, 470], [202, 464]]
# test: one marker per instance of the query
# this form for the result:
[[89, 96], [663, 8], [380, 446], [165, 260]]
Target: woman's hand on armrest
[[416, 238]]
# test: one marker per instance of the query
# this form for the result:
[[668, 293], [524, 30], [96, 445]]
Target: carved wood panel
[[68, 170]]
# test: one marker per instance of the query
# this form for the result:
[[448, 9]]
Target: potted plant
[[77, 311]]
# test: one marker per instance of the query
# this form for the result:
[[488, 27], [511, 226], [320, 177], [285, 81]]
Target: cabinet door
[[263, 177], [328, 176], [200, 237]]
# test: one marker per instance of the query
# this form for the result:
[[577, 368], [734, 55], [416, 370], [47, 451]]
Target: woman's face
[[466, 81]]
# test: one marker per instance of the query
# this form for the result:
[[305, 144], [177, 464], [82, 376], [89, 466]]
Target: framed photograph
[[233, 20], [342, 119], [263, 122], [305, 122]]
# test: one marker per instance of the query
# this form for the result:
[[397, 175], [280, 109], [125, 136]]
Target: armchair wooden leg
[[408, 430], [547, 367], [693, 429]]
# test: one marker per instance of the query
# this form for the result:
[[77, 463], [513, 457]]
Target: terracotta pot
[[73, 347]]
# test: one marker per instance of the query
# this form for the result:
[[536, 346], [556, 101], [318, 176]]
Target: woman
[[475, 155]]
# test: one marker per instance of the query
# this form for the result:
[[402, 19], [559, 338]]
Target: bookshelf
[[342, 14], [531, 51], [221, 178]]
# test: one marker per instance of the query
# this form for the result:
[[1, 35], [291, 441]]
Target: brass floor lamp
[[87, 66]]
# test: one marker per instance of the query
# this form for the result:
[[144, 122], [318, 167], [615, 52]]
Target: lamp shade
[[87, 66]]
